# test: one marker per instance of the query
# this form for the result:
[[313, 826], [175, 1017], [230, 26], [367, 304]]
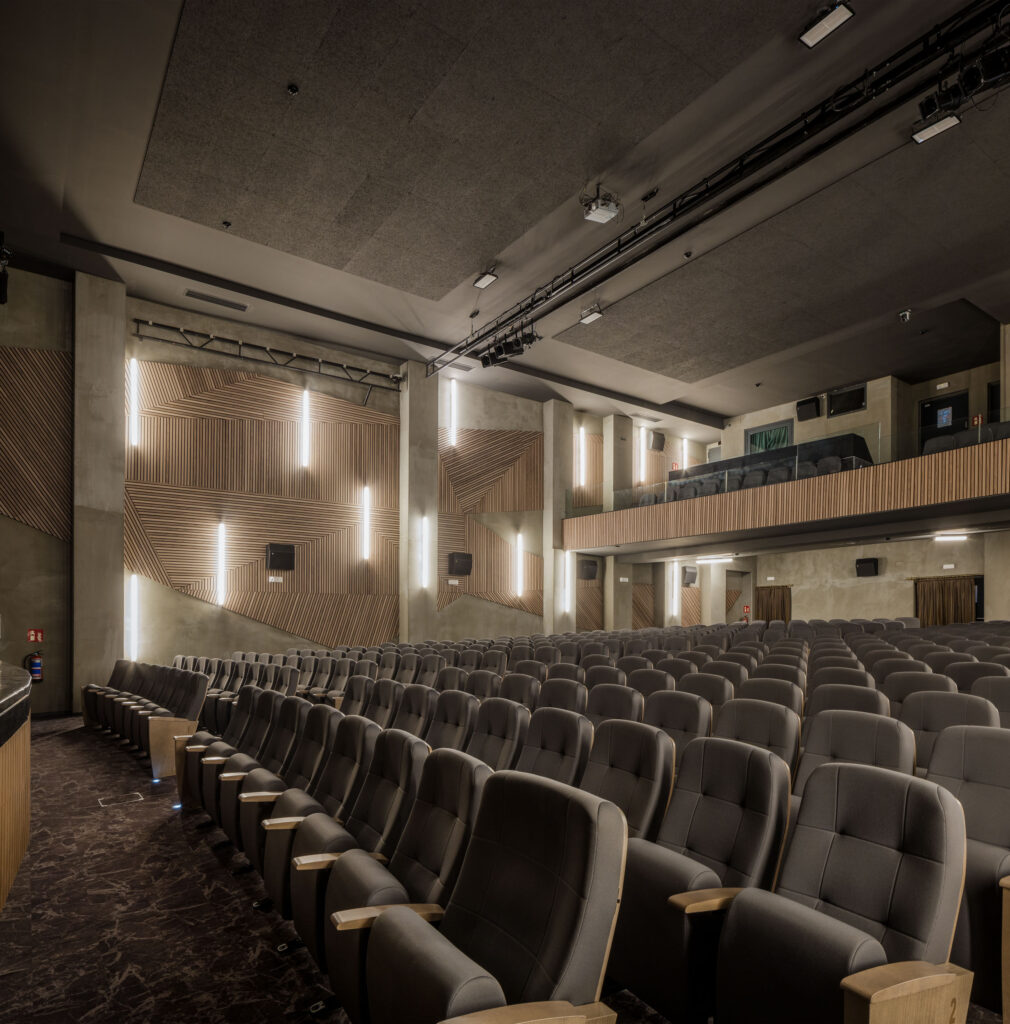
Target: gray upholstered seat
[[748, 659], [883, 668], [389, 662], [700, 658], [483, 683], [610, 700], [469, 660], [563, 851], [837, 676], [973, 762], [730, 670], [429, 668], [494, 661], [598, 675], [415, 709], [423, 868], [453, 723], [499, 732], [682, 716], [789, 673], [826, 921], [632, 765], [676, 667], [563, 693], [724, 826], [840, 697], [776, 691], [557, 745], [410, 664], [631, 662], [591, 661], [567, 670], [450, 678], [384, 701], [928, 714], [964, 674], [523, 689], [529, 667], [900, 685], [717, 690], [939, 660], [355, 696], [770, 726], [649, 680], [996, 690]]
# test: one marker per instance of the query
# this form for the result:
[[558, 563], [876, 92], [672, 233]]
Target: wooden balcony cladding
[[982, 471]]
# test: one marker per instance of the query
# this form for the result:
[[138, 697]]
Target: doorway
[[946, 414], [773, 603]]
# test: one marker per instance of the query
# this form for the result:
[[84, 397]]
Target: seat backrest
[[454, 719], [384, 701], [598, 675], [777, 691], [747, 659], [564, 850], [557, 745], [567, 670], [676, 667], [682, 716], [339, 780], [837, 676], [450, 678], [939, 660], [883, 668], [907, 835], [428, 670], [357, 690], [494, 661], [730, 670], [520, 652], [343, 669], [285, 734], [996, 690], [840, 697], [266, 708], [631, 764], [521, 688], [416, 709], [770, 726], [631, 662], [548, 654], [965, 674], [729, 810], [241, 716], [380, 811], [430, 851], [469, 660], [900, 685], [529, 667], [482, 683], [408, 669], [317, 737], [389, 662], [717, 690], [499, 733], [928, 714], [563, 693], [591, 661], [649, 680], [609, 700], [788, 673], [858, 737]]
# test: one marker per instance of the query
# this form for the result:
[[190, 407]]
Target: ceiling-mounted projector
[[601, 210]]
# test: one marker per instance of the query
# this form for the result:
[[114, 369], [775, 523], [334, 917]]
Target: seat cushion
[[434, 980]]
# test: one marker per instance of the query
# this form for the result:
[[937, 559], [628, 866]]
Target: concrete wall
[[824, 582], [997, 575]]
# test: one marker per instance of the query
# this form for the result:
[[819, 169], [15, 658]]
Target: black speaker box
[[460, 563], [281, 557], [587, 569], [866, 567], [657, 440], [808, 409], [688, 575]]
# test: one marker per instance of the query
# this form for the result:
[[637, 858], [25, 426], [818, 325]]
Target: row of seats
[[967, 438]]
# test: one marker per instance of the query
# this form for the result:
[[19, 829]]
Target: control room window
[[769, 437]]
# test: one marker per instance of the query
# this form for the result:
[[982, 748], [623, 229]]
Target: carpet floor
[[129, 912]]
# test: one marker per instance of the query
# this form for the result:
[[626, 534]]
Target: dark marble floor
[[128, 914]]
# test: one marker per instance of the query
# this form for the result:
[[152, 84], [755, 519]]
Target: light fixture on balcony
[[950, 536], [827, 21]]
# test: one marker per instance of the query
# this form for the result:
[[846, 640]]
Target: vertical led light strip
[[519, 564], [683, 452], [134, 402], [425, 554], [222, 578], [306, 428], [582, 456], [675, 589], [133, 626], [569, 582], [366, 522], [452, 411], [641, 455]]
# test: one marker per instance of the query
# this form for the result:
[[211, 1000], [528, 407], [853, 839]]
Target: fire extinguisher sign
[[35, 636]]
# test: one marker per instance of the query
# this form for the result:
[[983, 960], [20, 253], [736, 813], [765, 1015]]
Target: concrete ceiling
[[429, 140]]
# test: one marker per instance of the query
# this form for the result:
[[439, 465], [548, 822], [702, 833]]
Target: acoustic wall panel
[[643, 605], [588, 605], [690, 606], [591, 494], [224, 446]]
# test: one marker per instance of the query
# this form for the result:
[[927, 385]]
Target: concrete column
[[618, 457], [418, 498], [997, 579], [558, 453], [660, 587], [616, 593], [99, 475], [1004, 371], [712, 578]]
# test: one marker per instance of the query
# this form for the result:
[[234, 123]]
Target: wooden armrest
[[263, 797], [364, 917], [232, 776], [910, 990], [703, 901], [555, 1012], [195, 748], [280, 824], [213, 760], [380, 857], [1004, 883], [315, 861], [144, 713], [186, 736]]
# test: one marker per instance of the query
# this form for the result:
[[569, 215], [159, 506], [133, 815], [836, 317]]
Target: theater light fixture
[[425, 553], [673, 588], [591, 315], [600, 208], [306, 428], [641, 454], [715, 560], [582, 456], [134, 403], [133, 624], [452, 411], [486, 279], [519, 565], [932, 130], [366, 522], [222, 569], [683, 453], [826, 22], [566, 606], [950, 536]]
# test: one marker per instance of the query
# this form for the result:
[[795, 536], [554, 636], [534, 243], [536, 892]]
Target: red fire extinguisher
[[33, 662]]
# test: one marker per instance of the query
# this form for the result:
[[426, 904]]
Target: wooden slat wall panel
[[588, 605], [977, 472], [643, 605], [690, 606], [15, 805], [592, 493], [224, 445], [36, 438], [732, 596]]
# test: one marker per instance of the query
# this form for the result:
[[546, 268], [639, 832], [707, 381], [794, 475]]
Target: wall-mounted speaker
[[460, 563], [588, 568], [688, 575], [657, 440], [808, 409], [281, 557], [866, 567]]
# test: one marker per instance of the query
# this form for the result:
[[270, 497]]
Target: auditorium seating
[[927, 714], [557, 745]]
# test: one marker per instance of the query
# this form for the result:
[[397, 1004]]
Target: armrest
[[258, 798], [232, 776], [910, 990], [144, 713], [195, 748], [315, 861], [187, 736], [280, 824], [213, 760], [555, 1012], [364, 917], [380, 857], [703, 901], [1004, 883]]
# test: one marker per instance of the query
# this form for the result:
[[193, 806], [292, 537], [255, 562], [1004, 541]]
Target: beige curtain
[[773, 603], [942, 600]]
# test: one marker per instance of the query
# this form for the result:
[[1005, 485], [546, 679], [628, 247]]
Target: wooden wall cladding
[[977, 472], [489, 471], [15, 805], [224, 445], [643, 605], [37, 438], [592, 493], [690, 606], [732, 596], [588, 605]]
